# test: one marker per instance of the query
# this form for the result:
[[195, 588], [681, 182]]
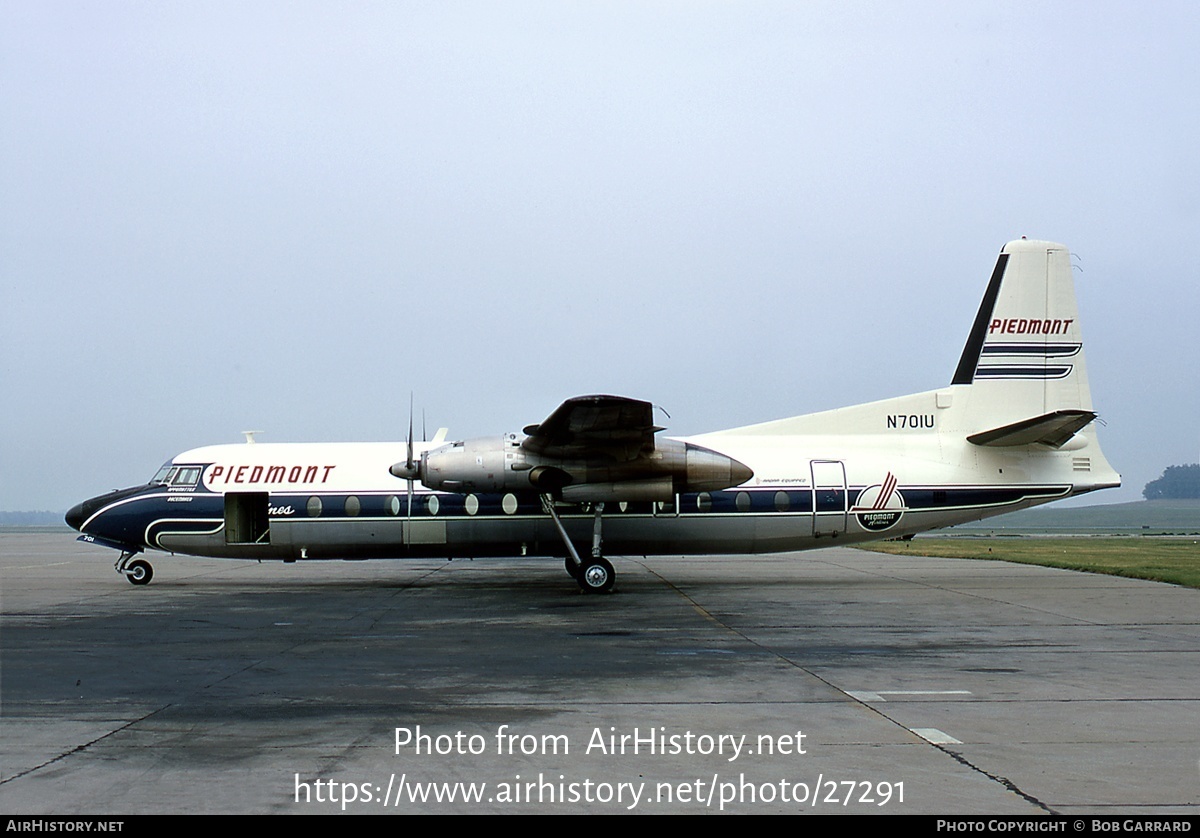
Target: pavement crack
[[81, 748], [996, 778]]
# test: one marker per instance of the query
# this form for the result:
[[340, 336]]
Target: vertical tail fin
[[1024, 356]]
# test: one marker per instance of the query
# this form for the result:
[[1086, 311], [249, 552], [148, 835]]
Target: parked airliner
[[1013, 429]]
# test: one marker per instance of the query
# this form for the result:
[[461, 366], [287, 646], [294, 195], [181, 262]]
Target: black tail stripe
[[965, 373]]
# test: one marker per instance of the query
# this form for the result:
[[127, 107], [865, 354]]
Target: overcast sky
[[288, 216]]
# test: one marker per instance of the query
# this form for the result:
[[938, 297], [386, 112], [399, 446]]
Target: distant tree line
[[1176, 482], [39, 518]]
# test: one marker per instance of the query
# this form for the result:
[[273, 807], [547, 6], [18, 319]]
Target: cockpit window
[[173, 475], [186, 476]]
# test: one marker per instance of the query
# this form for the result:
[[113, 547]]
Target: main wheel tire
[[139, 572], [597, 576]]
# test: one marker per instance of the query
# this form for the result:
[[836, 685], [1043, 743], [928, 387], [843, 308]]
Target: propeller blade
[[410, 431], [411, 469]]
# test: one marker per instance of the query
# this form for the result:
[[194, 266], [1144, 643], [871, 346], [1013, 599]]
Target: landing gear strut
[[138, 571], [595, 575]]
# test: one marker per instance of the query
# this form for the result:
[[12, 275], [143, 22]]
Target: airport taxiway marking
[[934, 736], [878, 695]]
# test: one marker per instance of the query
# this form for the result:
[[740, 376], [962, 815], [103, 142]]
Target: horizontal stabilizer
[[1052, 429]]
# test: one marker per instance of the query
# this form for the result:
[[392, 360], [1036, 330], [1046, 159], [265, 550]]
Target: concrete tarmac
[[830, 681]]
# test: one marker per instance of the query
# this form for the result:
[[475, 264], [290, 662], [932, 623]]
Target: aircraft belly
[[214, 546], [341, 538], [403, 538], [530, 536], [704, 534], [425, 532]]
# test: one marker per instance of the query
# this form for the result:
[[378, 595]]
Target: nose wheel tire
[[596, 576], [139, 572]]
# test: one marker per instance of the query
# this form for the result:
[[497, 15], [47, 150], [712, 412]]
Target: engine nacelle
[[500, 464], [474, 465]]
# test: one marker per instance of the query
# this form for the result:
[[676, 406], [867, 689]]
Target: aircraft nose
[[75, 516], [91, 512], [78, 514]]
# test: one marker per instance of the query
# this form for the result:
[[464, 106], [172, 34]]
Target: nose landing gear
[[138, 571]]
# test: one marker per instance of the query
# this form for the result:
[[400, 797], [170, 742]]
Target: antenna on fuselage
[[250, 436]]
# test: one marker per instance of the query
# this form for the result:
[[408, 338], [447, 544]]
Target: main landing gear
[[138, 571], [594, 575]]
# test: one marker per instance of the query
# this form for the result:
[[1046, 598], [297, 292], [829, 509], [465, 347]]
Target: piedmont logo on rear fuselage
[[879, 507]]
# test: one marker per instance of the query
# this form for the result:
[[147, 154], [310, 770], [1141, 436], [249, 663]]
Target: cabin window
[[742, 501], [472, 504], [393, 505], [433, 505], [509, 504], [353, 506], [314, 507], [704, 501], [782, 502]]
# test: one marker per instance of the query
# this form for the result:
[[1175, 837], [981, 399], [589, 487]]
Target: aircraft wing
[[590, 426]]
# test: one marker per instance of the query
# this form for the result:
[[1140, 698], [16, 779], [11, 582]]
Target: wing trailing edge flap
[[1053, 429]]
